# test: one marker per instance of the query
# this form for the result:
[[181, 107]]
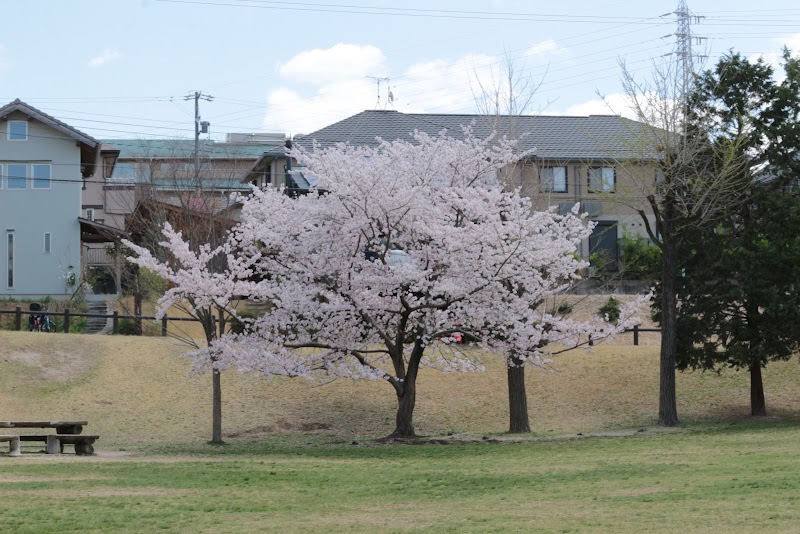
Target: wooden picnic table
[[67, 432], [62, 427]]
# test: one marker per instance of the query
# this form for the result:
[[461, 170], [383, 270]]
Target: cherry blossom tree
[[401, 250], [204, 289]]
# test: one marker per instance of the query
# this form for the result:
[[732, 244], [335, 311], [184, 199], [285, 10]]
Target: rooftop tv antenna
[[378, 81]]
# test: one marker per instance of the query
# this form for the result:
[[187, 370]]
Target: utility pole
[[199, 127]]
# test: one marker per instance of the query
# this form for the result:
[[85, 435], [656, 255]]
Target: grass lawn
[[302, 457], [743, 477]]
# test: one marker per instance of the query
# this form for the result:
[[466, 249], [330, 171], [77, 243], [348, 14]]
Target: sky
[[122, 68]]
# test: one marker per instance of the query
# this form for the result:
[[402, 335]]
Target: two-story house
[[44, 165], [146, 182], [605, 163]]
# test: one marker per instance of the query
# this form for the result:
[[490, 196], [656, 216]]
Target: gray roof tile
[[596, 137]]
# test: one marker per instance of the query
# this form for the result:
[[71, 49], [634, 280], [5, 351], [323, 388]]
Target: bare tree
[[693, 183]]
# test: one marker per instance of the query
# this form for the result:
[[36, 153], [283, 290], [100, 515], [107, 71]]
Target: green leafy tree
[[739, 305], [740, 302]]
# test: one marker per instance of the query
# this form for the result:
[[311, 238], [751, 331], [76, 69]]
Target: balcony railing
[[97, 256]]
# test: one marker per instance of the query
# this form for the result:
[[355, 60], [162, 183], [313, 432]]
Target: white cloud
[[294, 112], [105, 58], [774, 57], [339, 62], [446, 86], [613, 104], [435, 86], [339, 86], [544, 48]]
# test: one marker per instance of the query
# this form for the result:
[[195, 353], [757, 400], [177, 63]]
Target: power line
[[409, 12]]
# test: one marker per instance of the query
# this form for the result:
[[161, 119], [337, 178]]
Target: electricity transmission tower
[[684, 41]]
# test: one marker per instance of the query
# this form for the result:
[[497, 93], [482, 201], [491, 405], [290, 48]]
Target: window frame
[[49, 176], [552, 189], [47, 243], [10, 136], [10, 245], [613, 188], [24, 178]]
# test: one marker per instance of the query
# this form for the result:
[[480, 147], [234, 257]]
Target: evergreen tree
[[739, 305]]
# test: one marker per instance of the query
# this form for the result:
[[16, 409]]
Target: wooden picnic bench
[[67, 433]]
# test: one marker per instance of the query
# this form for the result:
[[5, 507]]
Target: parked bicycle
[[39, 322]]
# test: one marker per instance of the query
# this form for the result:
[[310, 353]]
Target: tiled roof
[[596, 137], [184, 149]]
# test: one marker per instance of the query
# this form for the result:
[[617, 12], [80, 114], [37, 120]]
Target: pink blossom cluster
[[400, 249]]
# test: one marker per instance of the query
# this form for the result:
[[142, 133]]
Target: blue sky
[[120, 68]]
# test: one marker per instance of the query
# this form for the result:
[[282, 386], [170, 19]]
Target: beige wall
[[633, 183]]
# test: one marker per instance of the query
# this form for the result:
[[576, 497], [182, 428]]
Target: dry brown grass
[[138, 390]]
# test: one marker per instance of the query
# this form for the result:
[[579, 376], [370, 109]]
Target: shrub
[[641, 260], [610, 309], [127, 327], [564, 308], [238, 326]]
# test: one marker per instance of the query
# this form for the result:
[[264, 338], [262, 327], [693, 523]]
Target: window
[[47, 243], [17, 130], [175, 168], [108, 166], [41, 176], [602, 180], [90, 214], [129, 172], [10, 258], [553, 179], [17, 176]]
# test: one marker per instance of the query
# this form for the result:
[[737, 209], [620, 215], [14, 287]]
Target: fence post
[[66, 320], [115, 323], [164, 326], [18, 319], [636, 334], [591, 341]]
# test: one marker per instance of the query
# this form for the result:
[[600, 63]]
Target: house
[[603, 162], [160, 177], [44, 166], [169, 171]]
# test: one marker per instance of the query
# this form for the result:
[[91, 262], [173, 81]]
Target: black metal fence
[[68, 316], [115, 317]]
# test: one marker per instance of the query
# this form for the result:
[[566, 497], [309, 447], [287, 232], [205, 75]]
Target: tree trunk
[[667, 399], [209, 322], [137, 301], [758, 405], [517, 398], [404, 422], [216, 411]]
